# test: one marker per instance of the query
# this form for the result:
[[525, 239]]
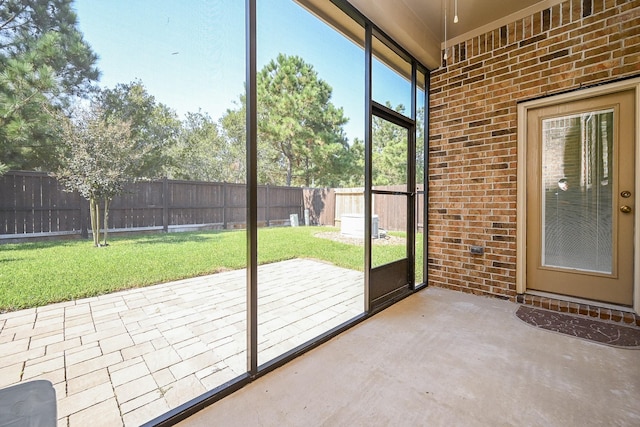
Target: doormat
[[581, 327]]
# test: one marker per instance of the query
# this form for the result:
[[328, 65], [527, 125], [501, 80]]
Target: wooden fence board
[[36, 203]]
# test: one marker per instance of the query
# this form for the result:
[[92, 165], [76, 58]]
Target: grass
[[36, 274]]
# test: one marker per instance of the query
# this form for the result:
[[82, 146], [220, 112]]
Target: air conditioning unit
[[352, 225]]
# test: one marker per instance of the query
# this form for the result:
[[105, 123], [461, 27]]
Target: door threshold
[[600, 304]]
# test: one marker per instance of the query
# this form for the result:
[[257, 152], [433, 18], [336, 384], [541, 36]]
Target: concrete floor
[[443, 358]]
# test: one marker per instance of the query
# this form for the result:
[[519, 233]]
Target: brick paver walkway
[[127, 357]]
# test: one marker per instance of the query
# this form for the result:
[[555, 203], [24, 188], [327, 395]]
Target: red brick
[[473, 156]]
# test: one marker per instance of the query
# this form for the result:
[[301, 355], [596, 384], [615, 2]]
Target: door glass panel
[[389, 171], [577, 185], [388, 229], [389, 155]]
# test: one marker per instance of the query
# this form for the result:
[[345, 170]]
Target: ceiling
[[472, 14], [418, 25]]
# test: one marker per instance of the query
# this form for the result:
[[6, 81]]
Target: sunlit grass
[[36, 274]]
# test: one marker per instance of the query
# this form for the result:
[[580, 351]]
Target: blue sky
[[193, 57]]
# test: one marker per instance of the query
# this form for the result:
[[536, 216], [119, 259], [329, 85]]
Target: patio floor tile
[[79, 330], [85, 399], [35, 368], [44, 340], [88, 381], [140, 401], [193, 364], [130, 373], [146, 412], [145, 335], [64, 345], [10, 374], [190, 348], [163, 377], [85, 354], [162, 358], [14, 347], [117, 342], [137, 350], [56, 319], [105, 413], [20, 318], [187, 386], [128, 357], [135, 388], [94, 364], [23, 356]]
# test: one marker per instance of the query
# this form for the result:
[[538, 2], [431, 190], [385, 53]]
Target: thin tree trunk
[[94, 221], [97, 209], [289, 171], [106, 219]]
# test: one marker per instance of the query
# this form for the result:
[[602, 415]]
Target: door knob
[[625, 209]]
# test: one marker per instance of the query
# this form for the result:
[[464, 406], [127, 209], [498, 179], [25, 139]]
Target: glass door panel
[[388, 229], [577, 190], [389, 155]]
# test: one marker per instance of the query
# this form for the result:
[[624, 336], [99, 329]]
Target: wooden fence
[[390, 209], [34, 204]]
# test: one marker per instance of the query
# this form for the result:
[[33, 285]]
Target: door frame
[[390, 281], [521, 206]]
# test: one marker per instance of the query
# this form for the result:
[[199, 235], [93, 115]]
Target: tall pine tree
[[44, 62]]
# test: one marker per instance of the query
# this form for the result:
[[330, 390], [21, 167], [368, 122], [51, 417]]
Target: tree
[[234, 133], [389, 151], [301, 128], [233, 124], [154, 126], [44, 63], [203, 154], [99, 158], [356, 176]]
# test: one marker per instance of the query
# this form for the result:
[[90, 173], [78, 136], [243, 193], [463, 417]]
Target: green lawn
[[36, 274]]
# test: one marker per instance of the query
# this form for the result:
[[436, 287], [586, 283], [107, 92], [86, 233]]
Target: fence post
[[267, 204], [165, 204], [224, 205]]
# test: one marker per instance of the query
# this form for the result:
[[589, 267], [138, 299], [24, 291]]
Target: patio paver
[[127, 357]]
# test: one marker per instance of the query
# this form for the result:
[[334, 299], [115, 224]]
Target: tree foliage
[[98, 158], [390, 150], [44, 64], [300, 130], [233, 130], [154, 126], [203, 153]]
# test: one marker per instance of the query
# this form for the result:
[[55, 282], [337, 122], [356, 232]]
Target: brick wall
[[473, 140]]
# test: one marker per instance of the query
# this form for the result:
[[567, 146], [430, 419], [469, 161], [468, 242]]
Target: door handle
[[625, 209]]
